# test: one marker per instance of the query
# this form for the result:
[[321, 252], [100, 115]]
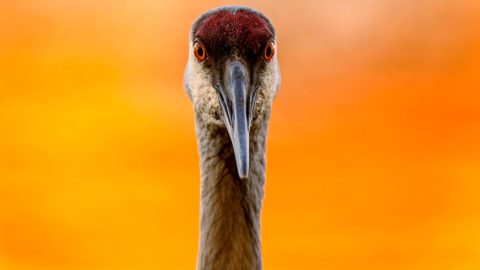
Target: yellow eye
[[199, 51], [269, 51]]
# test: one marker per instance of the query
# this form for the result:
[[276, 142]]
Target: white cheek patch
[[203, 95], [271, 81]]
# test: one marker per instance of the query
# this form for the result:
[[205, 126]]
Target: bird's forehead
[[226, 29]]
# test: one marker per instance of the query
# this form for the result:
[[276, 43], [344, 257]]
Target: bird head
[[232, 74]]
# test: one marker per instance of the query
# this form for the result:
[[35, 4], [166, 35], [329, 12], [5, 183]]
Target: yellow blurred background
[[373, 151]]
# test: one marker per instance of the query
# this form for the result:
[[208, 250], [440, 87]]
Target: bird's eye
[[199, 51], [269, 51]]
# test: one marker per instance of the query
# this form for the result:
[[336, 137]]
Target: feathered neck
[[230, 206]]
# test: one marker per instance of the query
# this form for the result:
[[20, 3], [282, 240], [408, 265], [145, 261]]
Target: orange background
[[373, 151]]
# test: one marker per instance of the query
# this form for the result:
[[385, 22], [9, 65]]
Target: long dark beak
[[235, 117]]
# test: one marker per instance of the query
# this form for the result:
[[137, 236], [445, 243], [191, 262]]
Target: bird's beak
[[235, 117]]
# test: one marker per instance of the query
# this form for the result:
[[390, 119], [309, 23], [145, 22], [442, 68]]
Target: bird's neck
[[230, 206]]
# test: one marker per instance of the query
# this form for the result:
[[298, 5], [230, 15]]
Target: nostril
[[224, 104], [251, 105]]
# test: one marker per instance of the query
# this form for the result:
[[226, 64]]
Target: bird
[[232, 77]]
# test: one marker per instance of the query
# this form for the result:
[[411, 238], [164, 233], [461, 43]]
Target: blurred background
[[373, 151]]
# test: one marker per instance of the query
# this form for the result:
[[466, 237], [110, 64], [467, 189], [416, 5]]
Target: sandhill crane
[[232, 77]]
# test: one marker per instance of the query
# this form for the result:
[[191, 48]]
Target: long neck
[[230, 206]]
